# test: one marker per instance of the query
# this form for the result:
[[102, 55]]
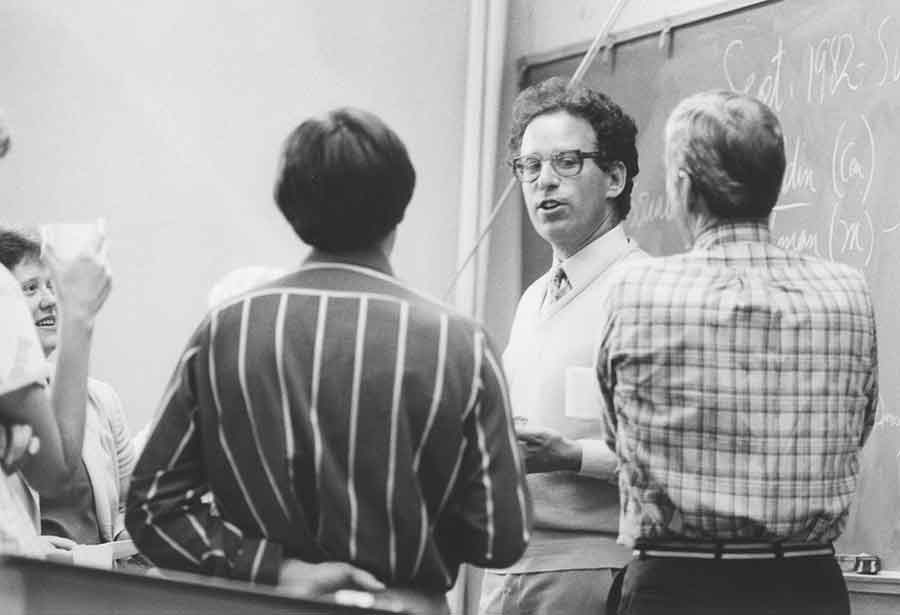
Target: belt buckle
[[750, 550]]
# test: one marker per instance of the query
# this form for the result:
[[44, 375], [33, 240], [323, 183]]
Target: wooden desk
[[874, 594], [36, 587]]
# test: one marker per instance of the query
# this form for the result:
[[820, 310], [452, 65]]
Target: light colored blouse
[[109, 456]]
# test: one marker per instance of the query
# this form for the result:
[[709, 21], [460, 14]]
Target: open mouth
[[48, 322], [549, 204]]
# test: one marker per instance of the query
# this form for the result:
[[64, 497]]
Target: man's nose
[[547, 176]]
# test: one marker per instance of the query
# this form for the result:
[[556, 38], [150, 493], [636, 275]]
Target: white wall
[[166, 118], [539, 27]]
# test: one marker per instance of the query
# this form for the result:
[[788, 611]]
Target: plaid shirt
[[741, 382]]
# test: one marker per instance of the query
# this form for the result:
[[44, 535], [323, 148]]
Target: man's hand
[[546, 450], [59, 543], [325, 578], [16, 441], [59, 549]]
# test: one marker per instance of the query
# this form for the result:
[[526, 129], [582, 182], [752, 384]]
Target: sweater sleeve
[[491, 505], [168, 516]]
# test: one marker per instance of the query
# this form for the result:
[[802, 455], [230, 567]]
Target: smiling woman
[[22, 255], [89, 510]]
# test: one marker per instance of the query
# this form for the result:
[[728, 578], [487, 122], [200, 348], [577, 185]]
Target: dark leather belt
[[732, 550]]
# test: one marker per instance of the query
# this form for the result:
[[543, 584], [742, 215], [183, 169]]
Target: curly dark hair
[[17, 246], [345, 180], [615, 130]]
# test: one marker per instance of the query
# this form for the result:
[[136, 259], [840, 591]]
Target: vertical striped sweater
[[334, 414]]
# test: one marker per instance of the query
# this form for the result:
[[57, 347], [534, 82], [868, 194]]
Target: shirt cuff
[[598, 460], [259, 561]]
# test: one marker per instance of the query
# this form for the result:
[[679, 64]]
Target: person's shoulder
[[463, 322], [425, 301], [107, 405], [534, 292], [637, 266], [844, 285], [833, 269], [104, 395], [428, 309], [464, 336], [99, 386], [644, 279], [825, 272]]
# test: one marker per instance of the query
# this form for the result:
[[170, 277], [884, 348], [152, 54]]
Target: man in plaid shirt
[[740, 381]]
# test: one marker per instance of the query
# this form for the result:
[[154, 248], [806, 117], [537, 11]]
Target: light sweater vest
[[575, 515]]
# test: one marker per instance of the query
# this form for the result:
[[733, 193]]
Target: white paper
[[71, 239], [95, 556]]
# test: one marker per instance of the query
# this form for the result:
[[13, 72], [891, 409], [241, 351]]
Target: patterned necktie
[[557, 286]]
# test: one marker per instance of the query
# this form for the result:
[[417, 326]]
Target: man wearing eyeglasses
[[574, 153]]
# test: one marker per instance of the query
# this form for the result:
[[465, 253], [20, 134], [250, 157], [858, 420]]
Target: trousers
[[561, 592], [797, 586]]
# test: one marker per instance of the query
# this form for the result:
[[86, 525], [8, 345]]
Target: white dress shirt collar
[[591, 260]]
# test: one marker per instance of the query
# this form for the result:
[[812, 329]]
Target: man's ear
[[684, 186], [618, 177]]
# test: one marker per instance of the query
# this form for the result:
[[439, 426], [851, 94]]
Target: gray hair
[[732, 147]]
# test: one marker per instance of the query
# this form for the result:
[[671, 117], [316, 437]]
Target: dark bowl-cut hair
[[17, 246], [732, 147], [345, 180], [615, 132]]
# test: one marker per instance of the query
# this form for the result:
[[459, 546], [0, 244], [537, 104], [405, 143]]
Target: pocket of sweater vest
[[583, 398]]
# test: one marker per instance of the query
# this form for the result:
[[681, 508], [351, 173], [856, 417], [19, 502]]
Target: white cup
[[71, 239], [94, 556], [583, 398]]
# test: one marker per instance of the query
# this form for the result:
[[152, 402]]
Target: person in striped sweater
[[337, 415]]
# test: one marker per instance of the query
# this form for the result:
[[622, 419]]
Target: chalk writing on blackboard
[[797, 77], [891, 67], [799, 174]]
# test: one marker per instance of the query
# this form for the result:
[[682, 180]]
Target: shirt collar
[[372, 258], [733, 232], [595, 257]]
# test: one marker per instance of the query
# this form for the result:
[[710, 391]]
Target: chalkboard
[[831, 71]]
